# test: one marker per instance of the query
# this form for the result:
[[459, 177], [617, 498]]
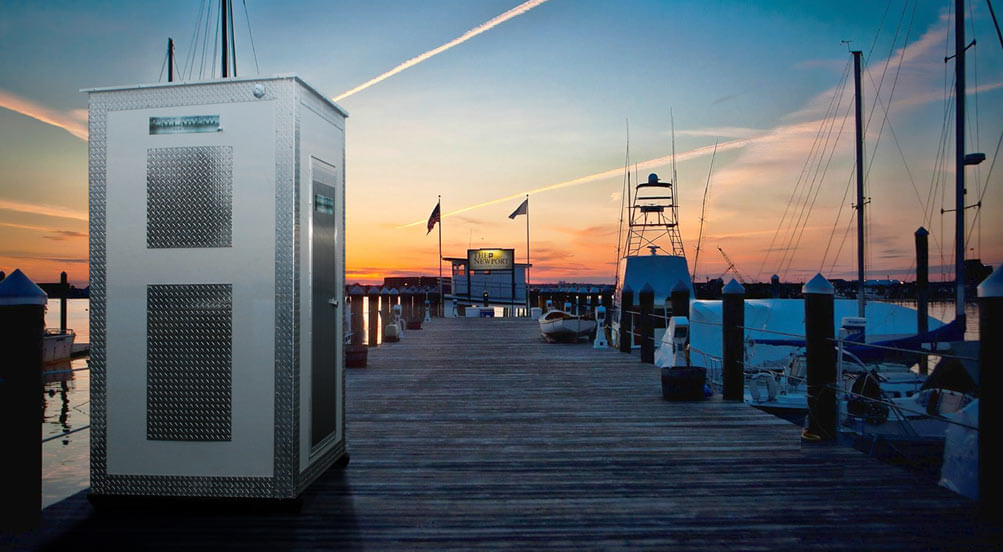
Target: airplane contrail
[[650, 163], [66, 121], [516, 11]]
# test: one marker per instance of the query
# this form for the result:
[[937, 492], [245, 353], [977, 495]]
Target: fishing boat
[[558, 325], [651, 254]]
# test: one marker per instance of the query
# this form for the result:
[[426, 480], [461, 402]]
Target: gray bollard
[[646, 302], [820, 360], [680, 299], [373, 298], [626, 305], [922, 288], [990, 293], [732, 341], [22, 325]]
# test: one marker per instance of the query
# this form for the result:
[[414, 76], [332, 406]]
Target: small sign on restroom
[[184, 125]]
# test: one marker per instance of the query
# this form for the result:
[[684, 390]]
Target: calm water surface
[[66, 404]]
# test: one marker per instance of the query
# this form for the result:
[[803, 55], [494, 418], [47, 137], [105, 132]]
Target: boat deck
[[475, 434]]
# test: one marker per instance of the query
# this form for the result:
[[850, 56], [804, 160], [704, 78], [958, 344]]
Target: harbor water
[[66, 403]]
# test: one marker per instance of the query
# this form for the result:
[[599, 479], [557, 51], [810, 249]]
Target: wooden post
[[626, 305], [775, 286], [64, 291], [732, 339], [922, 289], [385, 306], [373, 298], [990, 293], [405, 303], [820, 360], [358, 333], [22, 325], [646, 301], [680, 299]]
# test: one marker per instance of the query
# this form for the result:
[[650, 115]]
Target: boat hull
[[566, 328]]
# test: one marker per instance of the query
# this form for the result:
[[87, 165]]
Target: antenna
[[170, 59]]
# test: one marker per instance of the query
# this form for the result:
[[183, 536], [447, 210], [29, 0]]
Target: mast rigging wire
[[703, 208], [250, 36], [624, 190], [797, 183]]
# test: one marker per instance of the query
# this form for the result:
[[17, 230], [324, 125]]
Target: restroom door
[[326, 345]]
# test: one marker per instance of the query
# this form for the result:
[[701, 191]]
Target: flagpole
[[527, 255], [442, 300]]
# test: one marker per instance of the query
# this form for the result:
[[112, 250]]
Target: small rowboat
[[558, 325]]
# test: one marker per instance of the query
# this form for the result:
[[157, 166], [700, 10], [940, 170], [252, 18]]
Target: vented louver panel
[[189, 362], [189, 197]]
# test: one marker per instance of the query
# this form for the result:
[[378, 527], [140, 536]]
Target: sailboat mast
[[861, 300], [959, 158], [225, 40]]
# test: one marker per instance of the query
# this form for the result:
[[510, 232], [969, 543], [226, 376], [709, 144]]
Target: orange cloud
[[41, 209], [74, 122]]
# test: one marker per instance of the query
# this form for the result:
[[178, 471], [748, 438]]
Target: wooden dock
[[474, 434]]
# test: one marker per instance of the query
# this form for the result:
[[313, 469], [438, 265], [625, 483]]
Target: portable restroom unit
[[217, 224]]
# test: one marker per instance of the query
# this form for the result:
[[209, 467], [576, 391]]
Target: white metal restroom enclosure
[[217, 224]]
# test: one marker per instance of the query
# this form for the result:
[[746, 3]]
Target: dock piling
[[732, 335], [357, 296], [680, 298], [990, 293], [22, 325], [64, 292], [373, 298], [385, 306], [820, 360], [646, 302], [626, 336]]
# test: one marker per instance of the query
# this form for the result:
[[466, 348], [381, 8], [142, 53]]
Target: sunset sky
[[495, 104]]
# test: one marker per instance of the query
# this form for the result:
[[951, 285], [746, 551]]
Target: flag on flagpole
[[433, 218], [523, 209]]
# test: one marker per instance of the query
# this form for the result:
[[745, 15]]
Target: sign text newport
[[491, 259]]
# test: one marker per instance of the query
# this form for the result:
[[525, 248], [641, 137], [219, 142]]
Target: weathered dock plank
[[474, 434]]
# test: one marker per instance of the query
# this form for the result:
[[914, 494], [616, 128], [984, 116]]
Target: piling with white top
[[820, 360], [357, 295], [732, 334], [990, 293], [646, 326], [373, 298], [385, 305], [680, 298], [22, 326], [626, 304]]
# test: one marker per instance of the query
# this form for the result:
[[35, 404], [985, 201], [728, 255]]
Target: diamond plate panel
[[189, 197], [287, 273], [189, 362]]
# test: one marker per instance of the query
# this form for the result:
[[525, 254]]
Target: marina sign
[[491, 259], [184, 125]]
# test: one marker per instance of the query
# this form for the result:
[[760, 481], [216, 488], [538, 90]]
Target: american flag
[[433, 218]]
